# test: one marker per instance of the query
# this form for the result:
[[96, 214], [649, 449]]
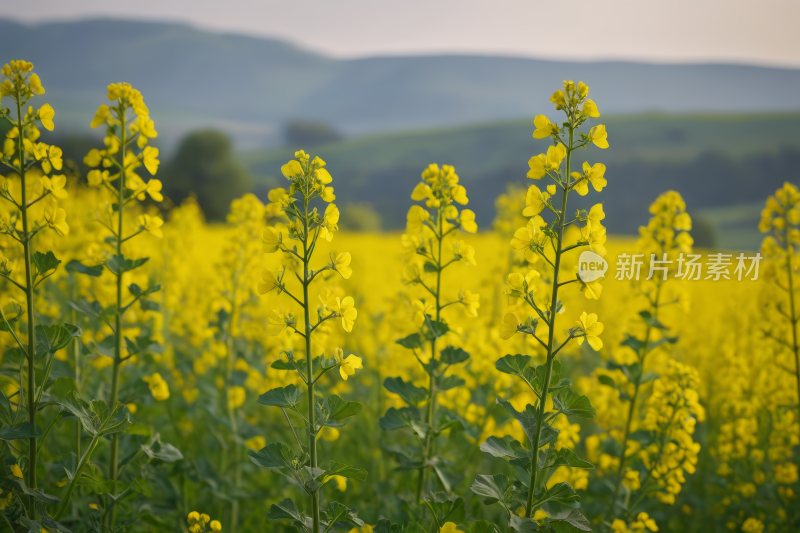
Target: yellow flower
[[100, 116], [544, 128], [518, 286], [96, 177], [341, 264], [152, 225], [509, 326], [644, 520], [592, 289], [619, 526], [158, 387], [592, 330], [277, 323], [559, 100], [594, 175], [55, 185], [465, 252], [527, 239], [53, 158], [215, 525], [256, 443], [541, 164], [599, 136], [753, 525], [46, 114], [596, 237], [421, 192], [194, 516], [420, 309], [346, 309], [411, 274], [415, 217], [36, 84], [348, 366], [590, 109], [236, 396], [15, 469], [132, 408], [330, 222], [153, 188], [56, 218], [268, 282], [271, 239], [596, 214], [146, 127], [292, 169], [467, 221], [150, 160], [327, 194], [472, 302], [449, 527], [535, 200]]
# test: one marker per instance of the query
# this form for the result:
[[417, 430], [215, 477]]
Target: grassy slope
[[715, 161]]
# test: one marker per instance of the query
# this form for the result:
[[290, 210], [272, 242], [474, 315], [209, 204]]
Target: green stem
[[431, 410], [231, 413], [789, 253], [78, 473], [31, 355], [632, 408], [120, 311], [312, 437], [551, 330]]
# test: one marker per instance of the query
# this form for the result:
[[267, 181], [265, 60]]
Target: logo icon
[[591, 266]]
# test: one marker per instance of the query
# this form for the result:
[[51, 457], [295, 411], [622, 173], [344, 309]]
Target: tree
[[205, 166], [304, 133]]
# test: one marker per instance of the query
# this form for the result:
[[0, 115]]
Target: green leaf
[[650, 320], [573, 404], [118, 264], [337, 512], [410, 393], [147, 305], [494, 489], [575, 521], [338, 469], [339, 409], [155, 449], [513, 364], [80, 268], [444, 383], [541, 370], [560, 492], [287, 396], [483, 526], [398, 418], [564, 457], [633, 343], [117, 422], [562, 384], [93, 309], [81, 410], [21, 430], [607, 381], [437, 328], [386, 526], [527, 419], [411, 342], [445, 508], [44, 263], [506, 448], [39, 495], [58, 336], [452, 355], [142, 344], [275, 455], [522, 524], [430, 267], [287, 510]]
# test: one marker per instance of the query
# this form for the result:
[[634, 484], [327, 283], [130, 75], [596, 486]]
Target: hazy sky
[[741, 31]]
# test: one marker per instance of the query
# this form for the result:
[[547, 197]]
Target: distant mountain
[[250, 87]]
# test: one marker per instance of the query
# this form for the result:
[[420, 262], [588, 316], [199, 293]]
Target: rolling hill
[[249, 87]]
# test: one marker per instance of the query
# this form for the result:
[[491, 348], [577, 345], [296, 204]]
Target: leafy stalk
[[551, 330]]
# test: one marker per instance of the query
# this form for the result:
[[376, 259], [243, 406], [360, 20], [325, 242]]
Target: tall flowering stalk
[[309, 181], [535, 462], [129, 129], [30, 182], [430, 230], [663, 243]]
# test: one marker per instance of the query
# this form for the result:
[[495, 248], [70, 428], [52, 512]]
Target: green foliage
[[205, 166]]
